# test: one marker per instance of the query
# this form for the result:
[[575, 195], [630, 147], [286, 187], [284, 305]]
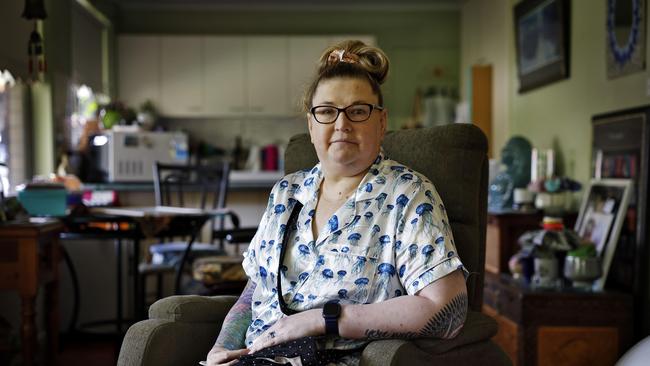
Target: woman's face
[[346, 148]]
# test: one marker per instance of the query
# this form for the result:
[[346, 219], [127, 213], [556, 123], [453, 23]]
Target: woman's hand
[[304, 324], [222, 356]]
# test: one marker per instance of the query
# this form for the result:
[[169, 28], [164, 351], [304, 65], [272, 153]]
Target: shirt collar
[[365, 191]]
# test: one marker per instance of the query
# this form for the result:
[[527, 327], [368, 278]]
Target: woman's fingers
[[268, 339], [226, 357]]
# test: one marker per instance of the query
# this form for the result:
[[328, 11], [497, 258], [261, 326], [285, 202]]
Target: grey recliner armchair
[[182, 329]]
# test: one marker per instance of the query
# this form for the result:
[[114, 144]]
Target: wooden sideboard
[[503, 230], [29, 257], [558, 327]]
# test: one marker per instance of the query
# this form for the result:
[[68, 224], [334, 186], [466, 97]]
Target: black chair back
[[173, 185]]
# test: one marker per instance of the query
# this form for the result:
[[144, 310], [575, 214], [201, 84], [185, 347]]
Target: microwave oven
[[123, 156]]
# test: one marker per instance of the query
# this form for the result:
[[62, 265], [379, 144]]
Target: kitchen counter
[[240, 180]]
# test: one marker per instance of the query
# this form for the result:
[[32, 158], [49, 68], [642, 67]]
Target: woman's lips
[[343, 141]]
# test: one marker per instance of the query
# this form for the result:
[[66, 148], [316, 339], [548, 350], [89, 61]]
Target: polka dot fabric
[[306, 350]]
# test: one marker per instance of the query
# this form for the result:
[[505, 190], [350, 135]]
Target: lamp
[[34, 9]]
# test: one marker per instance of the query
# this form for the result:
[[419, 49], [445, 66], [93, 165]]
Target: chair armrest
[[192, 308], [478, 327]]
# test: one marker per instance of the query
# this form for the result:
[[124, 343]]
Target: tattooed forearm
[[446, 323], [233, 330]]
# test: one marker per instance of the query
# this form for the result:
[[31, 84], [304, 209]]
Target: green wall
[[557, 115], [561, 113], [415, 41]]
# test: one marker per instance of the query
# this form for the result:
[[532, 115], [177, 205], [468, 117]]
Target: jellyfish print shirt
[[391, 238]]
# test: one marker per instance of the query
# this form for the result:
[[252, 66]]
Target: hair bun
[[370, 58]]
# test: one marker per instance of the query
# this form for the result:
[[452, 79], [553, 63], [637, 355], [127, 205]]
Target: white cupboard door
[[138, 70], [304, 53], [181, 76], [268, 73], [224, 81]]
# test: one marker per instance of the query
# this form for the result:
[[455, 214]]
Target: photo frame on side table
[[601, 217], [542, 42]]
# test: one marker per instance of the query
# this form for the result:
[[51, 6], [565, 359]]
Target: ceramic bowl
[[582, 271]]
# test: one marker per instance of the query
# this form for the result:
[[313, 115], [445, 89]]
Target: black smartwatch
[[331, 314]]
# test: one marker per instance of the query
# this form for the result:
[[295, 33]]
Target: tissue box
[[44, 201]]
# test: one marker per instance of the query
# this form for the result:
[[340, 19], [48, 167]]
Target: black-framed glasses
[[327, 114]]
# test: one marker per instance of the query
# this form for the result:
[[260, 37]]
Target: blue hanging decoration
[[623, 53]]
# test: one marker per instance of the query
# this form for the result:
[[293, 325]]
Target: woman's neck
[[339, 188]]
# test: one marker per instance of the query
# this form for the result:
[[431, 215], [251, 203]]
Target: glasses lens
[[325, 114], [358, 112]]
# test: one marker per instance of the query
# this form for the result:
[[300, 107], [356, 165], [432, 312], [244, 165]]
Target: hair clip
[[340, 55]]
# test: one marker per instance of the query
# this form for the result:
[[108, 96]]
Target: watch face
[[331, 310]]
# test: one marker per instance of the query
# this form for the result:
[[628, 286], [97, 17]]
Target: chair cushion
[[192, 308], [454, 158]]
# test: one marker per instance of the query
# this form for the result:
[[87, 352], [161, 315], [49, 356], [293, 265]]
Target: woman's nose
[[342, 123]]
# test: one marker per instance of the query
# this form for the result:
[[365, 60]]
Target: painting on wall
[[542, 41], [625, 37]]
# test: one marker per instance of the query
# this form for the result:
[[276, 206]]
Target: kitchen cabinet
[[181, 76], [138, 65], [304, 53], [220, 76], [224, 87], [267, 75]]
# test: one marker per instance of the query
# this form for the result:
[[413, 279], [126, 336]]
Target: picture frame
[[542, 42], [601, 217]]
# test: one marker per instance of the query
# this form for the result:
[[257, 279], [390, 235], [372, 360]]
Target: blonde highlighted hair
[[351, 59]]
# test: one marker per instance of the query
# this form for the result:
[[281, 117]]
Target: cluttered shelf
[[240, 180]]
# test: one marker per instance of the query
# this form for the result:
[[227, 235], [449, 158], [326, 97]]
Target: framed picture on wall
[[601, 217], [542, 42], [625, 37]]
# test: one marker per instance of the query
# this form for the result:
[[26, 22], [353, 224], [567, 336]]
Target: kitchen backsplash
[[222, 132]]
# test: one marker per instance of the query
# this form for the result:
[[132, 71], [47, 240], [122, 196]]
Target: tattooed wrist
[[378, 334]]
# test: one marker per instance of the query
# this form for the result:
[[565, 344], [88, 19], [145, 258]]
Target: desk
[[29, 257], [134, 224]]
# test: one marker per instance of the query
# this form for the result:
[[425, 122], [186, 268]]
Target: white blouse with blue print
[[391, 238]]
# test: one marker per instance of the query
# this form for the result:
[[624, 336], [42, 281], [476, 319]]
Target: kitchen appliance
[[129, 156]]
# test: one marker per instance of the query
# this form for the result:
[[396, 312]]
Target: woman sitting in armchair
[[356, 249]]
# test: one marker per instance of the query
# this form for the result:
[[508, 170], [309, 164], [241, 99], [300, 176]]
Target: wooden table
[[558, 327], [29, 257]]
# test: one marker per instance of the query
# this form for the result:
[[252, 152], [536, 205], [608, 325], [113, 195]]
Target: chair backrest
[[173, 183], [196, 186], [454, 158]]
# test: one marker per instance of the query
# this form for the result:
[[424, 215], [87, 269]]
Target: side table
[[558, 327], [503, 230], [29, 257]]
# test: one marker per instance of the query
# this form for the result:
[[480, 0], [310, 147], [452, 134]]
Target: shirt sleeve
[[426, 252], [250, 262]]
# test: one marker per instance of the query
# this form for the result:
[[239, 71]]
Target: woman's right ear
[[309, 127]]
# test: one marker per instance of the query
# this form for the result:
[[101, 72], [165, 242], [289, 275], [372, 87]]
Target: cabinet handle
[[237, 109], [257, 109]]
